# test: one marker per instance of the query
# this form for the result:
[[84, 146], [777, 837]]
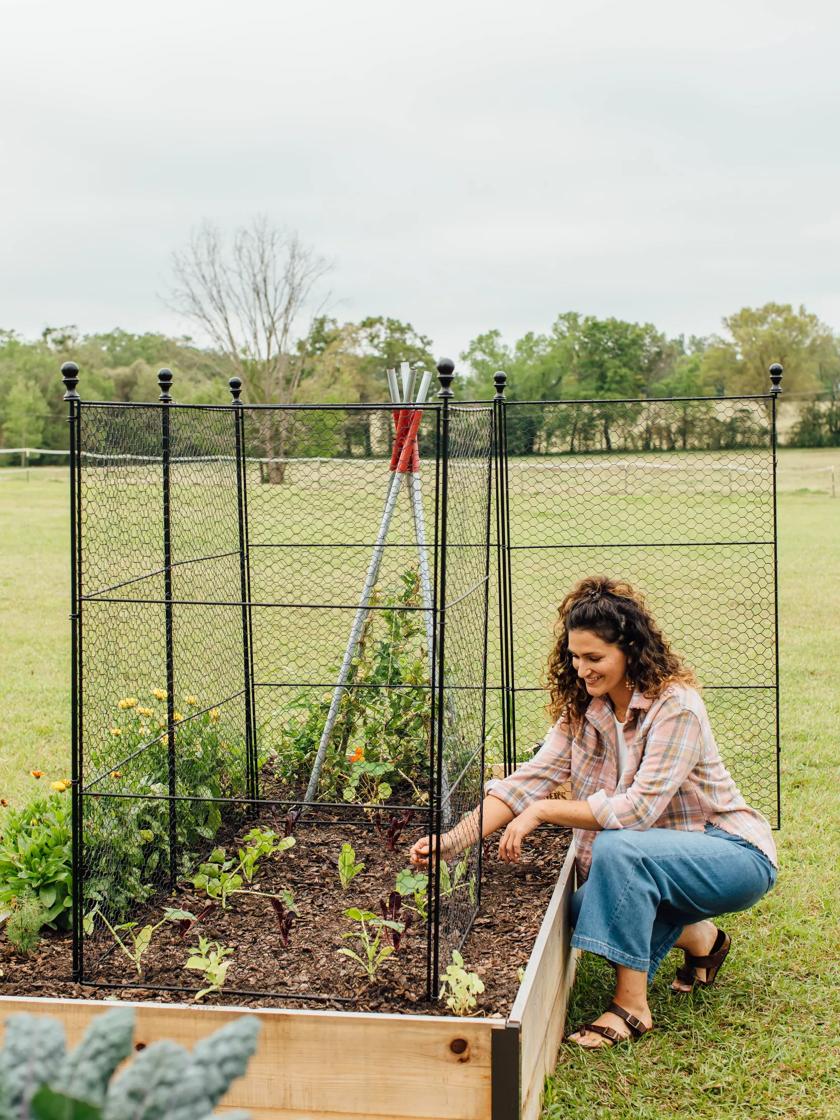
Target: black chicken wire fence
[[262, 594]]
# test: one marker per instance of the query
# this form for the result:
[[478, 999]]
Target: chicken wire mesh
[[678, 497], [245, 578]]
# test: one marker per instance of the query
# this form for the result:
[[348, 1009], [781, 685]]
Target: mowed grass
[[761, 1044]]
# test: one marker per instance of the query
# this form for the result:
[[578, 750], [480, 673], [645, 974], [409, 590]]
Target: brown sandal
[[713, 963], [637, 1029]]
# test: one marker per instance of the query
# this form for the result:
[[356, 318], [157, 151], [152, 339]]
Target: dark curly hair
[[617, 613]]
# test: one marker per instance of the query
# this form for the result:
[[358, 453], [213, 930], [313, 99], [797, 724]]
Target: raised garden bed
[[326, 1062]]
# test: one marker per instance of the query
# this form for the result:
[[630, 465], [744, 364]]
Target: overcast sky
[[464, 165]]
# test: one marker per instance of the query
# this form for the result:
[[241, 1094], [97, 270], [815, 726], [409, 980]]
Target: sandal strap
[[606, 1032], [636, 1025], [686, 974], [719, 951]]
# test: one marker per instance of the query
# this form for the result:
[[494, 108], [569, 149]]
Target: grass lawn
[[764, 1043]]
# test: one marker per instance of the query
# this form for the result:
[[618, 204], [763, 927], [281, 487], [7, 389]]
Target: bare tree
[[249, 297]]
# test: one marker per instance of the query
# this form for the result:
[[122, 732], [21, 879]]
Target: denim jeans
[[644, 886]]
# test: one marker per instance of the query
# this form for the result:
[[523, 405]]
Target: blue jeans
[[643, 887]]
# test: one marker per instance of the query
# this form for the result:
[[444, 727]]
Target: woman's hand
[[419, 854], [510, 845]]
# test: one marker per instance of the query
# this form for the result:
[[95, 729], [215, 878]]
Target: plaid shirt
[[674, 776]]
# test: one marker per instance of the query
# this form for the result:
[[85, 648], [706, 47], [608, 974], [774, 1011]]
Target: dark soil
[[513, 901]]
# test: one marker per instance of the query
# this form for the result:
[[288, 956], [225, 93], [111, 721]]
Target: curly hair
[[617, 613]]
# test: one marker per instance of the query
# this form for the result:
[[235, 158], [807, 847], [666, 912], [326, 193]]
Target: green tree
[[758, 336], [25, 415]]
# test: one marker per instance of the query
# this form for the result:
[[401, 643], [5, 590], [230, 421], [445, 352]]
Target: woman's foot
[[592, 1040], [698, 940]]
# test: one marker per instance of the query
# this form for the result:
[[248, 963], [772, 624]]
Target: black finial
[[235, 384], [776, 372], [500, 380], [70, 377], [446, 372], [165, 382]]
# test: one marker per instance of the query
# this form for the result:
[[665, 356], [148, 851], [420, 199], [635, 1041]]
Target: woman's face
[[601, 665]]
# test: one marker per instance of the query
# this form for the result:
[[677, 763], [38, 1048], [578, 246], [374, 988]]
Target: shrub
[[35, 858]]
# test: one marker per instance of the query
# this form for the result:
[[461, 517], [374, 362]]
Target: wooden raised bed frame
[[340, 1065]]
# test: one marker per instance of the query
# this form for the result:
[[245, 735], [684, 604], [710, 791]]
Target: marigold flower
[[357, 755], [159, 693], [177, 716], [215, 715], [145, 712], [116, 773], [4, 802], [116, 732], [37, 773], [128, 702], [192, 701], [61, 786]]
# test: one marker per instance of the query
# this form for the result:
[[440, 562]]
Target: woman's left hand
[[510, 845]]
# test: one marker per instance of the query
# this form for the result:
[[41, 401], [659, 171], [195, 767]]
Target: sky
[[463, 165]]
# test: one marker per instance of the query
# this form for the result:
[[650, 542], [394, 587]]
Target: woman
[[664, 839]]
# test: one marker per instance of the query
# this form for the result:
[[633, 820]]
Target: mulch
[[514, 898]]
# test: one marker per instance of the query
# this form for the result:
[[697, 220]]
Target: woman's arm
[[494, 814]]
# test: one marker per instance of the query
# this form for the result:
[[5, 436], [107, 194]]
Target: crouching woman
[[664, 840]]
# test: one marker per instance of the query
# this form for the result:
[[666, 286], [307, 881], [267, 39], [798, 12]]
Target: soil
[[514, 898]]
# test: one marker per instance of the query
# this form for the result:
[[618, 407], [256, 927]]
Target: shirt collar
[[600, 713]]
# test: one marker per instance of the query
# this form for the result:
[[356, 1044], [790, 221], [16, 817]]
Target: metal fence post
[[776, 372], [252, 776], [165, 383], [70, 377]]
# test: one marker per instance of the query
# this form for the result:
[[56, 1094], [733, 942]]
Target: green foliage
[[416, 884], [210, 959], [23, 926], [460, 987], [35, 857], [380, 739], [348, 869], [259, 843], [25, 415], [39, 1081], [218, 877], [373, 953], [818, 425], [135, 942]]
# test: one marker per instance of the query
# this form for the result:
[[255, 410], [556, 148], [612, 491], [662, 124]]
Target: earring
[[628, 683]]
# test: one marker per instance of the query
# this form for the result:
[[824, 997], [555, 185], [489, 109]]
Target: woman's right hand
[[419, 854]]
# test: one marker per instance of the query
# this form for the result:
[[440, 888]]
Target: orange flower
[[357, 755], [4, 802], [37, 773], [116, 773]]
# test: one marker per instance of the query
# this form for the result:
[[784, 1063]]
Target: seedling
[[416, 884], [261, 842], [285, 911], [391, 831], [348, 869], [374, 952], [219, 877], [209, 958], [461, 985], [136, 944], [391, 912]]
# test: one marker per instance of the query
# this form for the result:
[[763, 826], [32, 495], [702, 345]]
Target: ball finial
[[235, 384], [70, 377], [446, 372], [165, 383], [500, 380], [776, 371]]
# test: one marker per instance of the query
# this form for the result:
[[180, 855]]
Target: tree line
[[249, 296]]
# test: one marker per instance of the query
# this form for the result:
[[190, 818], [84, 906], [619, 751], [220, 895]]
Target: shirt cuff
[[516, 800], [602, 810]]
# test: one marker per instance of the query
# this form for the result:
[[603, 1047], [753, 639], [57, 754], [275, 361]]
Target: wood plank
[[540, 1006], [323, 1064]]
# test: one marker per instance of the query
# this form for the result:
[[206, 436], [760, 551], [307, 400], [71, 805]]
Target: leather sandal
[[637, 1029], [713, 963]]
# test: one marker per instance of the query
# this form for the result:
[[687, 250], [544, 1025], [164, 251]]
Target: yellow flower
[[215, 715], [177, 716], [116, 773], [161, 723], [145, 712], [116, 732], [128, 702], [61, 786], [192, 701], [159, 693]]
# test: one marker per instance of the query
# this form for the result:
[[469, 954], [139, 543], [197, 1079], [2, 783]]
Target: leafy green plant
[[210, 958], [35, 857], [392, 908], [348, 869], [135, 942], [261, 842], [370, 935], [285, 911], [460, 987], [416, 884], [40, 1080], [218, 877], [23, 926]]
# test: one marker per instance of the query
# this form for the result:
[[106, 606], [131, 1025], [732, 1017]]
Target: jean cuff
[[617, 956]]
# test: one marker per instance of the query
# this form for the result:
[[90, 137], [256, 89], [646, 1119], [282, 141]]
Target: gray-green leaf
[[223, 1056], [85, 1072], [34, 1048]]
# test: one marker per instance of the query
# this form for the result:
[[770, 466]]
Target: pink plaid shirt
[[674, 776]]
